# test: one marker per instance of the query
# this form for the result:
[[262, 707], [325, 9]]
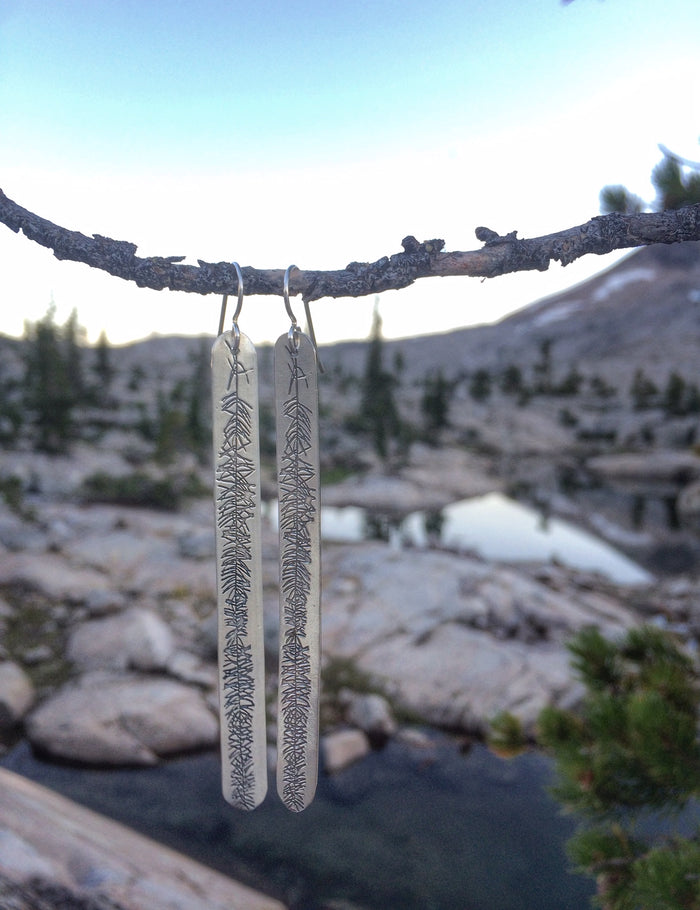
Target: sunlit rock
[[136, 639], [122, 720], [342, 748], [16, 694]]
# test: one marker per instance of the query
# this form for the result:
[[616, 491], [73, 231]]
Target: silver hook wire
[[239, 305], [285, 291], [294, 330]]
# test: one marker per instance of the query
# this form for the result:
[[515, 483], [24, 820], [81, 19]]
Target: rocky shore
[[109, 628], [56, 855]]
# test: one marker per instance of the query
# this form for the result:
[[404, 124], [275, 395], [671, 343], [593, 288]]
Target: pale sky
[[318, 133]]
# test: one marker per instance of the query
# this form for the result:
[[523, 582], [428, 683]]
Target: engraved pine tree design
[[298, 506], [236, 496]]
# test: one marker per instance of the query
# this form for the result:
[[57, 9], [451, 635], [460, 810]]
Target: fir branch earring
[[238, 560], [296, 406]]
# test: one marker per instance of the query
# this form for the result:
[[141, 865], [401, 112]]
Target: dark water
[[405, 829]]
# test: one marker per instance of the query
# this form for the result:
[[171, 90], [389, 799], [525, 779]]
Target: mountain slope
[[643, 312]]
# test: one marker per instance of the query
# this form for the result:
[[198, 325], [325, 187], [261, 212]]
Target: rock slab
[[122, 720], [75, 851], [136, 639], [456, 640]]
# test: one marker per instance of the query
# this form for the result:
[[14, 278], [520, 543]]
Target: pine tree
[[674, 394], [600, 388], [435, 405], [480, 385], [48, 385], [171, 434], [511, 381], [570, 384], [379, 414], [73, 340], [630, 750], [643, 391], [542, 369], [198, 395], [104, 370]]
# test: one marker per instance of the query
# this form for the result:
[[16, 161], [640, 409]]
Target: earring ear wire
[[307, 311], [239, 305]]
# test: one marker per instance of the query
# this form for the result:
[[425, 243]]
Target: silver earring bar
[[239, 563], [296, 404]]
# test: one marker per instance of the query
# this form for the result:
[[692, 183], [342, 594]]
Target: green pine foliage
[[631, 754], [676, 181], [618, 198], [435, 405], [379, 414], [570, 384], [676, 185], [480, 385], [104, 371], [668, 877], [643, 391], [511, 380], [53, 384], [506, 736], [542, 368], [198, 420]]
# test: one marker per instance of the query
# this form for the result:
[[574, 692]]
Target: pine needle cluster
[[628, 762]]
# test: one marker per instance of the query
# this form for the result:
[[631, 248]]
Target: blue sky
[[320, 133]]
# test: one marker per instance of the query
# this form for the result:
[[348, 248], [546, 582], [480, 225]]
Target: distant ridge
[[642, 312]]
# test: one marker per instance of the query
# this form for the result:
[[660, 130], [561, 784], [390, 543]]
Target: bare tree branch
[[498, 256]]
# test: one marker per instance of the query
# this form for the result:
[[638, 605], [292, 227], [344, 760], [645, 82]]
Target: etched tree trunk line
[[499, 255]]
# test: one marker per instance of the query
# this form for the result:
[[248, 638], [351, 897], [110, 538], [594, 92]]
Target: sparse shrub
[[136, 489], [138, 374], [10, 414], [506, 736], [567, 418], [12, 491]]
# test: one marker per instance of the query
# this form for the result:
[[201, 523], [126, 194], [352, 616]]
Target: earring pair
[[237, 496]]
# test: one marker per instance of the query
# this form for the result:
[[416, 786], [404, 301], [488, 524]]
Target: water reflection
[[408, 828], [493, 526]]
